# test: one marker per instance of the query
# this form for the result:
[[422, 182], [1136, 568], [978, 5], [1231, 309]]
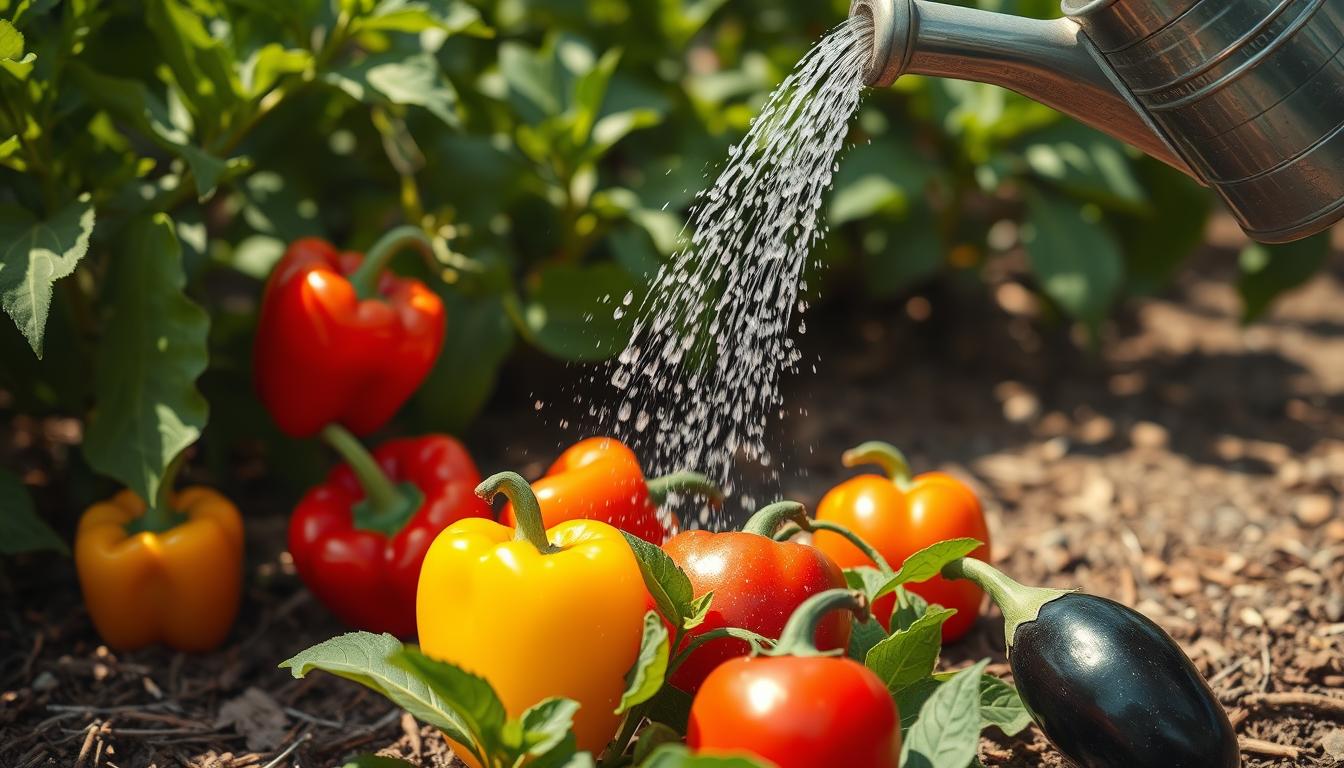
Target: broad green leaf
[[270, 63], [1000, 704], [366, 659], [909, 608], [545, 726], [928, 562], [34, 255], [1267, 271], [202, 66], [651, 737], [21, 530], [911, 700], [1074, 256], [582, 313], [611, 128], [671, 706], [884, 176], [148, 408], [590, 91], [667, 583], [680, 19], [394, 78], [531, 79], [131, 101], [909, 655], [478, 340], [947, 732], [698, 610], [413, 16], [11, 41], [678, 756], [1085, 163], [646, 676], [470, 696], [863, 635], [1158, 241], [375, 761], [866, 579]]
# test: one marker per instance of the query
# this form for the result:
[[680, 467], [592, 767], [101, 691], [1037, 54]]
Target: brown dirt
[[1191, 467]]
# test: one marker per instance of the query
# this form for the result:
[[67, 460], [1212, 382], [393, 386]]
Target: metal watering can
[[1246, 96]]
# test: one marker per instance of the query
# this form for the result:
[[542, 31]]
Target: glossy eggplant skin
[[1112, 690]]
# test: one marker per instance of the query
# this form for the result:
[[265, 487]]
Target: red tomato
[[899, 516], [797, 712], [757, 585]]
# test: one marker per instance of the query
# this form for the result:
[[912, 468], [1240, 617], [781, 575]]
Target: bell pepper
[[798, 707], [339, 340], [359, 538], [537, 613], [171, 573], [757, 584], [600, 479], [899, 515]]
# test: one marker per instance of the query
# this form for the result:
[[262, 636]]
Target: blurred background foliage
[[552, 148]]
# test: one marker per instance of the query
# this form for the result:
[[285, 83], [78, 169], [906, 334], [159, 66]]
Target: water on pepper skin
[[1112, 690]]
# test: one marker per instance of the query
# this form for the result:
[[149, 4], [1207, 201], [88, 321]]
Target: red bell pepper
[[600, 479], [757, 584], [359, 539], [340, 340]]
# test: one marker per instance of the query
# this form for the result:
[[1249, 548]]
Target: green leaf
[[911, 700], [471, 697], [375, 761], [11, 41], [678, 756], [928, 562], [671, 706], [668, 585], [909, 655], [1085, 163], [148, 408], [866, 579], [270, 63], [651, 737], [131, 101], [909, 608], [531, 79], [202, 66], [478, 340], [35, 255], [698, 610], [21, 530], [420, 15], [366, 659], [1076, 259], [1267, 271], [863, 635], [1160, 240], [393, 78], [1001, 706], [883, 176], [947, 732], [545, 726], [581, 313], [646, 676]]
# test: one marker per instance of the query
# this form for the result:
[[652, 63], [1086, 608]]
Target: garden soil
[[1185, 464]]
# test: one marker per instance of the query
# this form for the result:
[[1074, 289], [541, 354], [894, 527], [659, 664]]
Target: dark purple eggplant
[[1108, 687]]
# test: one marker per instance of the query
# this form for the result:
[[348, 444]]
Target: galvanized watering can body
[[1247, 96]]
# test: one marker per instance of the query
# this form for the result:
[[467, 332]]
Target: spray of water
[[699, 383]]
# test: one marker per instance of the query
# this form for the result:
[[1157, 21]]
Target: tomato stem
[[683, 482], [385, 507], [885, 455], [799, 635], [366, 275], [1020, 604], [793, 529], [770, 518], [526, 508], [758, 643]]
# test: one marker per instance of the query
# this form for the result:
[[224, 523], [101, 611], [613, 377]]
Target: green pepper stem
[[885, 455], [770, 518], [798, 637], [526, 508], [386, 507], [160, 514], [683, 482], [1020, 604], [365, 277], [794, 528]]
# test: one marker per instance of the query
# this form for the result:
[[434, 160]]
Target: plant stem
[[797, 639], [855, 539], [1019, 603], [683, 482], [526, 508], [745, 635], [365, 277], [885, 455], [381, 494], [770, 518], [160, 515]]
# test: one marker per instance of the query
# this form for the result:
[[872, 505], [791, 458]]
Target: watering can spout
[[1246, 97], [1051, 62]]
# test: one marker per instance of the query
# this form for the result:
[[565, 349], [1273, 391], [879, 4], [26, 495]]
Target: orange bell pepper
[[600, 479], [899, 515], [173, 575]]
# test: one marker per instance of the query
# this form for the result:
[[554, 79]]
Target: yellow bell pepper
[[537, 613], [171, 576]]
